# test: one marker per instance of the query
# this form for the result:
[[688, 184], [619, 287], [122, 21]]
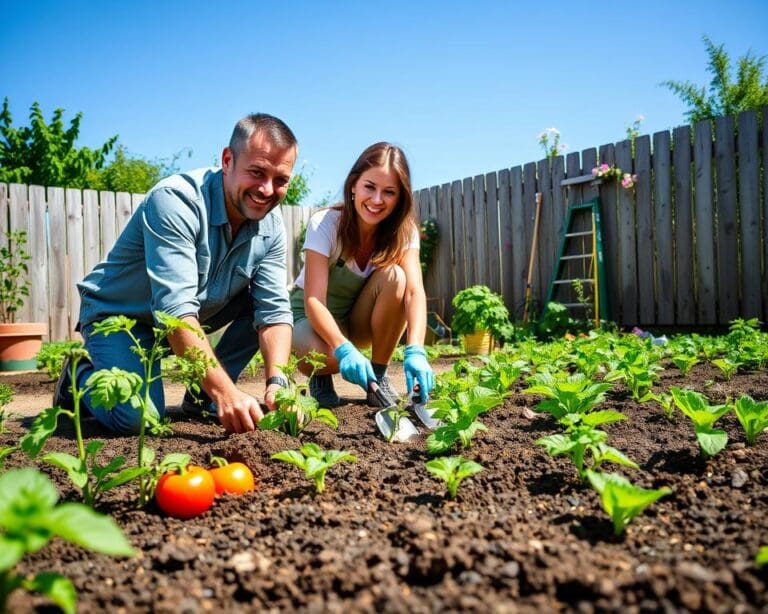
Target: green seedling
[[761, 558], [459, 415], [703, 415], [685, 362], [566, 394], [314, 461], [51, 356], [296, 408], [752, 415], [83, 470], [396, 413], [621, 499], [500, 371], [255, 364], [582, 440], [452, 470], [29, 517], [666, 402], [727, 367], [637, 368]]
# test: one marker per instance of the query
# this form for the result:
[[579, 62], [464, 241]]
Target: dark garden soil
[[524, 535]]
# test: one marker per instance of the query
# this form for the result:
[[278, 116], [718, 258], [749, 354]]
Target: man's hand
[[238, 412]]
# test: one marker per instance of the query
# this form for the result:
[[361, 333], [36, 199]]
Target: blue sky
[[464, 88]]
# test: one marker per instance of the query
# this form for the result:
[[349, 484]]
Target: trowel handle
[[417, 398]]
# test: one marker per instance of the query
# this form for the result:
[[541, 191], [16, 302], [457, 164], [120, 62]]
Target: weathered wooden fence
[[69, 231], [687, 246]]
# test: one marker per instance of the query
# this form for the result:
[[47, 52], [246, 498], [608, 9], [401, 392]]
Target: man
[[206, 247]]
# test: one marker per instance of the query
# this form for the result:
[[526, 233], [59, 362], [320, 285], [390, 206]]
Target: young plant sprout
[[459, 415], [761, 558], [685, 362], [621, 499], [296, 409], [452, 470], [727, 366], [703, 415], [396, 413], [752, 415], [565, 393], [30, 517], [314, 461], [666, 401]]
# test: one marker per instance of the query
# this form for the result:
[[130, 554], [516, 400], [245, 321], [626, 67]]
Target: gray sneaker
[[387, 390], [322, 390]]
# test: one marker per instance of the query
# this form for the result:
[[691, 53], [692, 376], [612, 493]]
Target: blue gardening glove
[[416, 367], [354, 367]]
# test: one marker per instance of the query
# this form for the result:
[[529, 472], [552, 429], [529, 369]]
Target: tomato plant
[[232, 478], [186, 493]]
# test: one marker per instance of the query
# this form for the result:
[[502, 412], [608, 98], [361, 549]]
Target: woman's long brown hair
[[393, 235]]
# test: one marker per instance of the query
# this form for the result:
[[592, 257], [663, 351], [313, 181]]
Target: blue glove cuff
[[341, 351], [414, 350]]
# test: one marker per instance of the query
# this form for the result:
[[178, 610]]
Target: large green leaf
[[75, 468], [80, 525], [42, 427], [711, 441]]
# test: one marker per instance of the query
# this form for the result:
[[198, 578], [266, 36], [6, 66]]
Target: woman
[[361, 282]]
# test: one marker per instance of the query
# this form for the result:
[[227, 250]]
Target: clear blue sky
[[463, 87]]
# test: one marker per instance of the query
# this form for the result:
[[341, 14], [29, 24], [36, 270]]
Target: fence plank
[[610, 219], [519, 263], [663, 228], [749, 200], [38, 265], [108, 221], [432, 279], [136, 200], [546, 241], [764, 276], [627, 240], [558, 209], [123, 211], [492, 232], [530, 187], [18, 217], [684, 272], [91, 230], [506, 239], [645, 225], [459, 245], [57, 265], [4, 211], [443, 258], [75, 254], [588, 162], [705, 246], [727, 246]]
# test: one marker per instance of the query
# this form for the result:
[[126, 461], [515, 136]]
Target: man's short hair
[[276, 129]]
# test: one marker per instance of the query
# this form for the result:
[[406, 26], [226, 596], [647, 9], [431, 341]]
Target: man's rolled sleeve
[[171, 228], [268, 286]]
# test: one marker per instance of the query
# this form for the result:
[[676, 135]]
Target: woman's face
[[376, 194]]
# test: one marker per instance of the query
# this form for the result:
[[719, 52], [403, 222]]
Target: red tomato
[[234, 478], [188, 494]]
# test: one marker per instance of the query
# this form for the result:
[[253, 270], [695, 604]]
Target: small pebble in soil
[[739, 478]]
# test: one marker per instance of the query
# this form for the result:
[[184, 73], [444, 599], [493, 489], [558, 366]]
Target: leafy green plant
[[582, 439], [703, 415], [296, 409], [478, 308], [85, 472], [621, 499], [459, 415], [638, 370], [396, 414], [314, 461], [51, 356], [565, 393], [727, 366], [14, 283], [30, 517], [452, 470], [555, 321], [752, 415], [685, 362], [666, 401], [255, 364]]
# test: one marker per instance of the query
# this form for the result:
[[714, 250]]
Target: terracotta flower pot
[[19, 344], [479, 342]]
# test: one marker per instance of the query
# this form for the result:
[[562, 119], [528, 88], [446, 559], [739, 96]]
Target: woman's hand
[[353, 366], [417, 368]]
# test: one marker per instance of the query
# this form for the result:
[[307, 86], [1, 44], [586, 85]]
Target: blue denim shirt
[[176, 255]]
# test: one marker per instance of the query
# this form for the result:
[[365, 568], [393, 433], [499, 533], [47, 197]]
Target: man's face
[[256, 179]]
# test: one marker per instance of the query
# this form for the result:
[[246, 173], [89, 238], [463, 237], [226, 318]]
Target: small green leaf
[[41, 429], [11, 552], [82, 526], [711, 441], [125, 476], [112, 386], [75, 468], [57, 588], [272, 421], [294, 457]]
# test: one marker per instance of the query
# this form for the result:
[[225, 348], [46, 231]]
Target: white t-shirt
[[322, 237]]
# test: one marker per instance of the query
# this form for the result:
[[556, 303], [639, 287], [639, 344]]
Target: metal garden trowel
[[390, 419], [419, 406]]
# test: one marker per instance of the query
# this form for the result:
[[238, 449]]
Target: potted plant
[[481, 317], [19, 342]]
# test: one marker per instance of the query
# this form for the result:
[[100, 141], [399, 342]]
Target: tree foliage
[[727, 94], [128, 173], [45, 153]]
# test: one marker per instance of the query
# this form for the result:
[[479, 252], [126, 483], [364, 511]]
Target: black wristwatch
[[279, 380]]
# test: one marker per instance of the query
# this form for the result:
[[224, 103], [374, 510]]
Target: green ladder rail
[[581, 259]]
